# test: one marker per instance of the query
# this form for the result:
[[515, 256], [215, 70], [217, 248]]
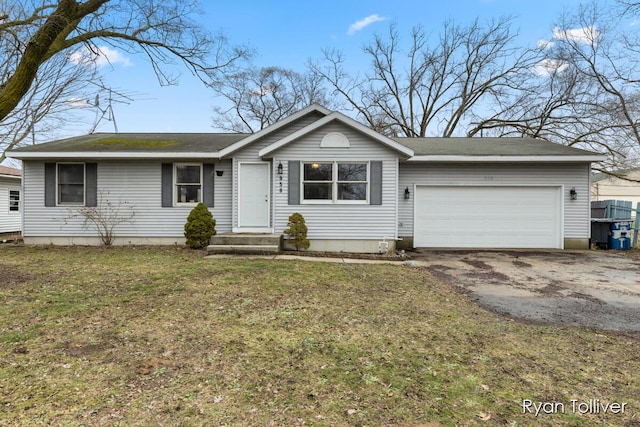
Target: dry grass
[[163, 336]]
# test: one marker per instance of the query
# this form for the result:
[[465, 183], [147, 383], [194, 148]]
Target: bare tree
[[585, 92], [430, 87], [105, 217], [36, 36], [259, 97]]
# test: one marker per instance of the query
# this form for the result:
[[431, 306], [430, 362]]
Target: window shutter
[[167, 185], [91, 184], [376, 183], [49, 184], [294, 182], [208, 184]]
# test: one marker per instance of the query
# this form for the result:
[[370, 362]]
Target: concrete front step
[[245, 239], [245, 243], [251, 249]]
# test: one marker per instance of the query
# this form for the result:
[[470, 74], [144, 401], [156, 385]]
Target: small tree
[[105, 217], [298, 230], [200, 227]]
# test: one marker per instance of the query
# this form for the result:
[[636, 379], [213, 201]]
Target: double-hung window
[[335, 182], [14, 200], [188, 183], [71, 183]]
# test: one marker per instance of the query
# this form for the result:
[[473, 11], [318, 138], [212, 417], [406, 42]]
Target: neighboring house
[[609, 187], [10, 201], [354, 186]]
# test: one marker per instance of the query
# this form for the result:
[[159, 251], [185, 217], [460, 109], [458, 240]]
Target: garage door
[[487, 217]]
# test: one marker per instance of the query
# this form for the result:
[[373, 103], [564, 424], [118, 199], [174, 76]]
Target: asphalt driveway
[[597, 289]]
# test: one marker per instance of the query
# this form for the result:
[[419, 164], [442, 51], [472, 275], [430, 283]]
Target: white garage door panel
[[487, 217]]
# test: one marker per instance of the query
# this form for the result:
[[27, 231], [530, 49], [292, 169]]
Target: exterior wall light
[[407, 194], [280, 168], [219, 173], [573, 194]]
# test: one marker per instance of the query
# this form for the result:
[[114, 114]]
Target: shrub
[[200, 227], [298, 230]]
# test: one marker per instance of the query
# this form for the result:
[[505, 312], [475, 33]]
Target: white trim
[[122, 155], [336, 116], [500, 159], [11, 188], [16, 177], [241, 230], [295, 116], [240, 227], [334, 183], [176, 203], [398, 192], [84, 184]]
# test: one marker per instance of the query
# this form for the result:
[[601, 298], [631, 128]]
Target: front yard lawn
[[164, 336]]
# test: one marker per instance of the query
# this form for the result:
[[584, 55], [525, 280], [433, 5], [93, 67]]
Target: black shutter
[[49, 184], [375, 175], [208, 184], [167, 185], [294, 182], [91, 184]]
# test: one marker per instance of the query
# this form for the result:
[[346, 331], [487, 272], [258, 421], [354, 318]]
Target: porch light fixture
[[219, 173], [280, 168], [573, 194], [407, 194]]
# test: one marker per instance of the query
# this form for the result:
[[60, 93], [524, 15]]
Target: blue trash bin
[[620, 235]]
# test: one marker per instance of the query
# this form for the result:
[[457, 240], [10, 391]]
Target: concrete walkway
[[337, 260]]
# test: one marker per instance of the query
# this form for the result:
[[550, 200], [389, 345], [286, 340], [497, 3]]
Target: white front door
[[253, 196]]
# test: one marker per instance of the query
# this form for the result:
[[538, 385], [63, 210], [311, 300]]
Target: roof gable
[[313, 108], [336, 116]]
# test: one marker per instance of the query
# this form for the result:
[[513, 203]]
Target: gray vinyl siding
[[338, 221], [250, 154], [134, 186], [576, 212], [10, 221]]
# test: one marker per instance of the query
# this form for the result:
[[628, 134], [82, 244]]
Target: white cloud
[[547, 67], [587, 35], [103, 56], [545, 44], [359, 25]]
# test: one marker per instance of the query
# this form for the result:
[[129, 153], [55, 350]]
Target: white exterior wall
[[250, 154], [576, 223], [339, 221], [10, 221], [128, 184]]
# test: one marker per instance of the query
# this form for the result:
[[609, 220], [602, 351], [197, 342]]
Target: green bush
[[298, 230], [200, 227]]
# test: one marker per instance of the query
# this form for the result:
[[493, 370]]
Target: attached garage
[[488, 217]]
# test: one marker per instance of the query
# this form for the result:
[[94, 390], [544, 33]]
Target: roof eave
[[505, 159], [116, 155]]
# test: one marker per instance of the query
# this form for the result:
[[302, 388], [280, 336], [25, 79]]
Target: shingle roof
[[119, 143], [139, 142], [4, 170], [488, 147]]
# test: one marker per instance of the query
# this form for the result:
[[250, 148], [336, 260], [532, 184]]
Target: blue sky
[[288, 34]]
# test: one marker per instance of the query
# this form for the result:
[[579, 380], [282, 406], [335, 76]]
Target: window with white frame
[[71, 183], [14, 200], [188, 183], [335, 182]]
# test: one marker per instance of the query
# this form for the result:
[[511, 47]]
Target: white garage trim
[[488, 216]]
